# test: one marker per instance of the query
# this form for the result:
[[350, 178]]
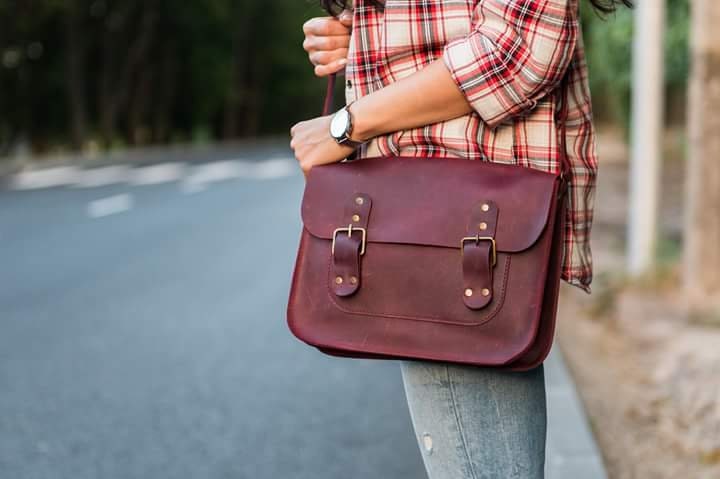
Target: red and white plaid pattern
[[507, 57]]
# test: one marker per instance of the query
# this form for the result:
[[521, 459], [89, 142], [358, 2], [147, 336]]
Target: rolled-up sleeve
[[516, 52]]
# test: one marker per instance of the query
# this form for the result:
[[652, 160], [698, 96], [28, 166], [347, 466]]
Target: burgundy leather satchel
[[438, 259]]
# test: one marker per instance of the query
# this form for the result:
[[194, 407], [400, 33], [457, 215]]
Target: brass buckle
[[477, 239], [349, 230]]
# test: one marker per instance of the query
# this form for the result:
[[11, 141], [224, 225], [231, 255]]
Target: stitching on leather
[[321, 232], [408, 353], [433, 319]]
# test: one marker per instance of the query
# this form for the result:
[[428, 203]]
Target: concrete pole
[[647, 124], [702, 201]]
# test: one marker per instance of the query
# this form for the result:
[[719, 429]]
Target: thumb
[[346, 18]]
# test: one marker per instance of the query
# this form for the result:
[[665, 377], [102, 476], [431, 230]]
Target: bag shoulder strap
[[329, 95]]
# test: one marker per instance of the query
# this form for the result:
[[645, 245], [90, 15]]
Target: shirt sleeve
[[515, 53]]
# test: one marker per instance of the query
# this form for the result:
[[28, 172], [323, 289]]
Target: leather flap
[[428, 201]]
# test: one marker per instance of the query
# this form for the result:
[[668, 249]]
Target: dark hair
[[334, 7]]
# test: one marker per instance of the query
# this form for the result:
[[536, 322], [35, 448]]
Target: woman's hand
[[327, 40], [313, 145]]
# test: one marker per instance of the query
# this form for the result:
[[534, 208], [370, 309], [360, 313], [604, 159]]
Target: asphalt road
[[142, 335]]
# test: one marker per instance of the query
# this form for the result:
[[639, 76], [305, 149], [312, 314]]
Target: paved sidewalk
[[571, 449]]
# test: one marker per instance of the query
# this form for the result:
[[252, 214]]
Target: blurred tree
[[75, 70], [126, 39], [237, 97], [139, 71], [609, 49], [30, 76], [702, 224]]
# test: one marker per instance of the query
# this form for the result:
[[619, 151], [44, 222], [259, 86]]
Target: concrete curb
[[572, 451]]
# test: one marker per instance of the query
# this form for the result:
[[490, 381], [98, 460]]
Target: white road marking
[[156, 174], [192, 178], [47, 178], [104, 176], [278, 167], [202, 175], [109, 206]]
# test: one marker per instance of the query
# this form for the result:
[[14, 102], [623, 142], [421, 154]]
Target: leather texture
[[438, 259], [348, 246], [410, 299], [479, 255]]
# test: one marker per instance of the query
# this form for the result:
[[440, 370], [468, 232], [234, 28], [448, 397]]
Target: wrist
[[363, 126]]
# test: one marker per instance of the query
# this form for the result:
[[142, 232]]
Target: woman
[[473, 79]]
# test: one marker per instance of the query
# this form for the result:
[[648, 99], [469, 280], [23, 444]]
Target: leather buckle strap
[[479, 255], [477, 238], [348, 246], [349, 230]]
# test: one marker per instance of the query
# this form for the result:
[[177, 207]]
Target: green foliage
[[138, 71], [608, 44], [677, 38]]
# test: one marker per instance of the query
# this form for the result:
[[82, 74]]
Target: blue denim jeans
[[477, 423]]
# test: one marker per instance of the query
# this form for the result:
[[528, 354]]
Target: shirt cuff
[[485, 79]]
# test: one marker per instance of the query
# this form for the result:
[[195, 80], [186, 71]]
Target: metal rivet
[[356, 218], [338, 280], [359, 200], [485, 292], [353, 279], [468, 292], [485, 207], [483, 225]]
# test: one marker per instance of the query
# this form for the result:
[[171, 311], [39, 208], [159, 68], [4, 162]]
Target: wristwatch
[[341, 127]]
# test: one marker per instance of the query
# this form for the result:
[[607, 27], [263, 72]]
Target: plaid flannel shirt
[[507, 57]]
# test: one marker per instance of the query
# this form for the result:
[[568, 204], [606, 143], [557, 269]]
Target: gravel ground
[[646, 373]]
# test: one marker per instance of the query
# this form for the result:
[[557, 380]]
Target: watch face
[[339, 124]]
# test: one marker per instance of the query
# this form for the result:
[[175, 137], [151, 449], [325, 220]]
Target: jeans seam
[[458, 422], [502, 426]]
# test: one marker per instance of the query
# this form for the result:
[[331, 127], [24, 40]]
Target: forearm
[[425, 97]]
